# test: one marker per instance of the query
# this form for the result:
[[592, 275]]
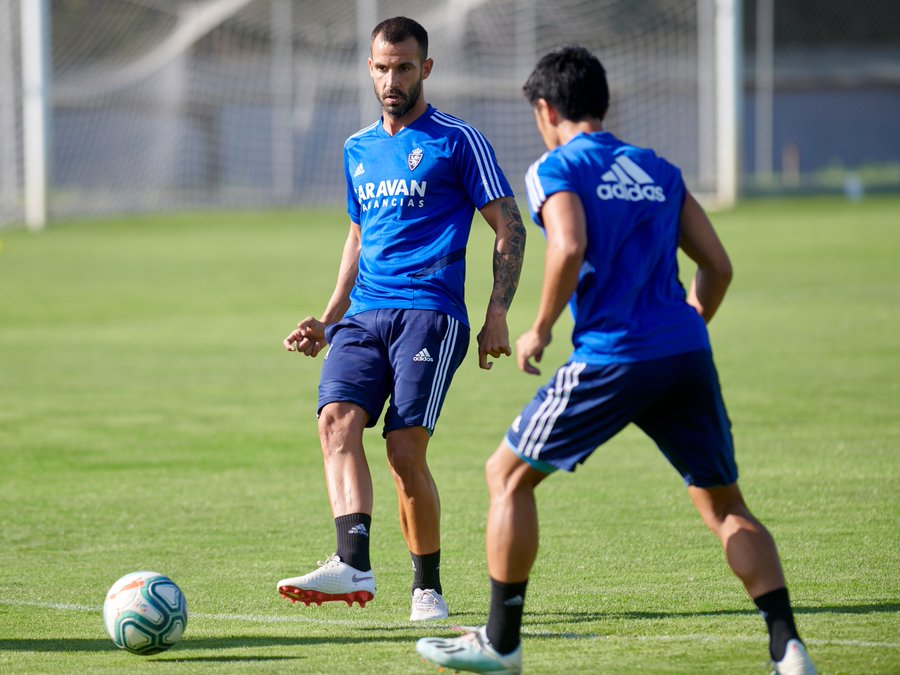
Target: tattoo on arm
[[509, 252]]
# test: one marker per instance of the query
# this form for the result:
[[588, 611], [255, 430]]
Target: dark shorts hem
[[373, 420], [405, 358], [675, 400], [536, 464]]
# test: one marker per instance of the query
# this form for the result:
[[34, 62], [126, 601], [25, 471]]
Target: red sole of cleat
[[295, 594]]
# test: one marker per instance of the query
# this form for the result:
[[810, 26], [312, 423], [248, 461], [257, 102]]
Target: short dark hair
[[401, 28], [573, 81]]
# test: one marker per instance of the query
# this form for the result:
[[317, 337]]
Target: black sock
[[775, 607], [427, 571], [353, 540], [505, 620]]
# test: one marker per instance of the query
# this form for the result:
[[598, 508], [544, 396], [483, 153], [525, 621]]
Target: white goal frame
[[719, 84]]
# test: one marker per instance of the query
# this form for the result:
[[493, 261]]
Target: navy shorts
[[676, 400], [406, 355]]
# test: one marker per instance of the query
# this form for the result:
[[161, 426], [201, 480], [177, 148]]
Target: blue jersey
[[414, 195], [629, 304]]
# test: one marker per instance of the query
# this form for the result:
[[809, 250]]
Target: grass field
[[149, 419]]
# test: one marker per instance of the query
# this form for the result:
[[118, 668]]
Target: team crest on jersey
[[414, 158]]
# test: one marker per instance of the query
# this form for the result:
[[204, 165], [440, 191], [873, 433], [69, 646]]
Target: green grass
[[149, 418]]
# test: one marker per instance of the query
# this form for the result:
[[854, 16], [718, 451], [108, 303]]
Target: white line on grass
[[264, 618]]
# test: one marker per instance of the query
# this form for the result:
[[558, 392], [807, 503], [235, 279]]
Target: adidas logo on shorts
[[423, 356], [629, 182]]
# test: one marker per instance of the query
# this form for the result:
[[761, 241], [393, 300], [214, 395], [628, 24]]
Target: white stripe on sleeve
[[486, 167]]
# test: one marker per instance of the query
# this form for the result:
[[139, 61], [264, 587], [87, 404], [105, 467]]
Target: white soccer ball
[[145, 613]]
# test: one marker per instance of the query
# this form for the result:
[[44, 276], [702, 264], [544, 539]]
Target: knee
[[336, 426], [730, 524], [406, 455], [722, 508], [501, 474], [738, 521], [743, 521], [492, 474], [405, 461]]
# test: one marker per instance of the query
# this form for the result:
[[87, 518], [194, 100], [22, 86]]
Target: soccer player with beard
[[614, 216], [396, 324]]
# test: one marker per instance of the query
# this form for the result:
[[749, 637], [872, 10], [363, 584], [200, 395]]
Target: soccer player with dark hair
[[396, 323], [614, 216]]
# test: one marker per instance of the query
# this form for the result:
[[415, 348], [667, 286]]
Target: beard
[[406, 102]]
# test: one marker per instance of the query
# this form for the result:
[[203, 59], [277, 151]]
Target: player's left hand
[[493, 340]]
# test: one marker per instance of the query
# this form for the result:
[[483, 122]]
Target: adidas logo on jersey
[[627, 181], [359, 170], [423, 356]]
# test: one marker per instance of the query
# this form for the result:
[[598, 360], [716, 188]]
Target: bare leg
[[349, 485], [512, 527], [347, 473], [417, 495], [751, 554], [749, 548]]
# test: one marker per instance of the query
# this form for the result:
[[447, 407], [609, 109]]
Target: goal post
[[36, 109], [728, 100], [10, 199]]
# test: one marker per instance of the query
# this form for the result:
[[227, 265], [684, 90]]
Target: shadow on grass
[[173, 658], [587, 617], [192, 644], [181, 652]]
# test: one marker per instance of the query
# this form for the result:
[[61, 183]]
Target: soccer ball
[[145, 613]]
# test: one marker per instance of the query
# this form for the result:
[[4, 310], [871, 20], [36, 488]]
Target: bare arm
[[509, 251], [714, 272], [564, 222], [339, 302], [309, 335]]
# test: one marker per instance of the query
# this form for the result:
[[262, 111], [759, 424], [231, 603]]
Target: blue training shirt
[[414, 195], [629, 304]]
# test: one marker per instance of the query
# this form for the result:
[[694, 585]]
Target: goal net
[[177, 104]]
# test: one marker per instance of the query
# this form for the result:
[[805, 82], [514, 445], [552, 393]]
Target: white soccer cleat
[[471, 652], [795, 662], [428, 605], [334, 581]]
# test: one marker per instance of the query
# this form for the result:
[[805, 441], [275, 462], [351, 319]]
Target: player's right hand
[[529, 346], [307, 338]]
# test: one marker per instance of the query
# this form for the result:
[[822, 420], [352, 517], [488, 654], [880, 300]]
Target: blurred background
[[123, 106]]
